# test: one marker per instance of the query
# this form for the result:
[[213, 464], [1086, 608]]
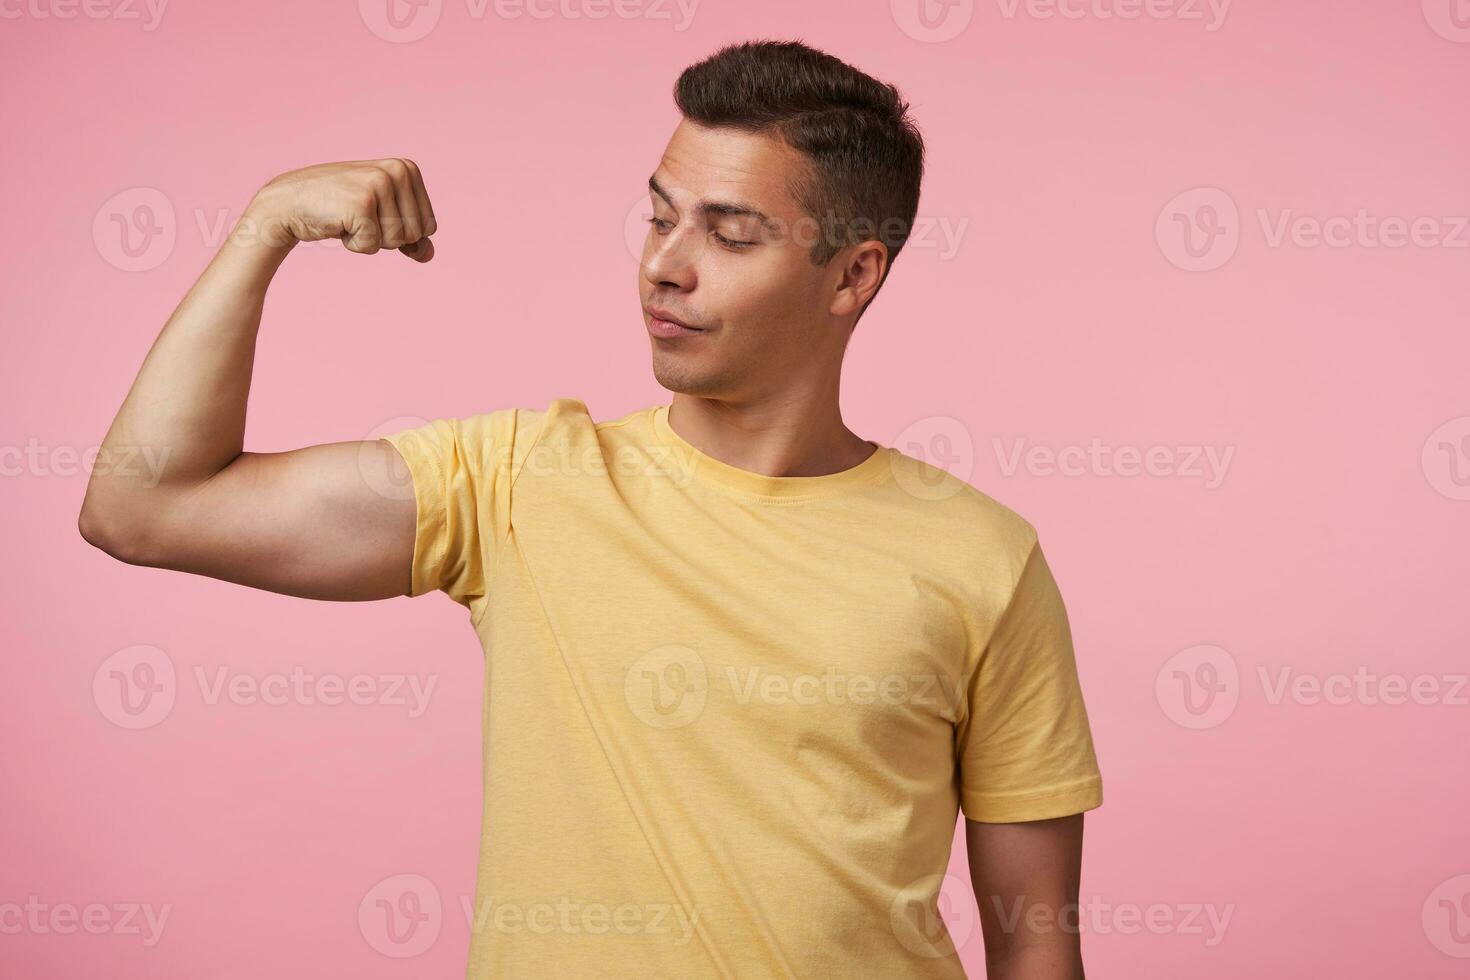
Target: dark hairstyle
[[866, 156]]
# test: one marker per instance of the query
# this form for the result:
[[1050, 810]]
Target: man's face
[[711, 261]]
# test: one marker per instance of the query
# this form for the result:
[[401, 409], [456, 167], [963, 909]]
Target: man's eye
[[662, 227]]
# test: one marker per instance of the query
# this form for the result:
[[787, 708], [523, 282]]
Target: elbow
[[105, 529]]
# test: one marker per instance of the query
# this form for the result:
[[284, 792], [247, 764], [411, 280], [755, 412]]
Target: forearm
[[1051, 961], [186, 408], [1026, 878]]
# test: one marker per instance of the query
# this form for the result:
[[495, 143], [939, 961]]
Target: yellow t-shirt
[[729, 719]]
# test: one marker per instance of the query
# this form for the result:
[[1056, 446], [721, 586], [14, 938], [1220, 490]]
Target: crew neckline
[[706, 467]]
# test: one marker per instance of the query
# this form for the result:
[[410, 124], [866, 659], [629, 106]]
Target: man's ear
[[860, 270]]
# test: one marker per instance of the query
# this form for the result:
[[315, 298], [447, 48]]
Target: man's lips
[[663, 323]]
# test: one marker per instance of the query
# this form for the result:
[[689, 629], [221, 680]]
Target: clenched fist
[[369, 204]]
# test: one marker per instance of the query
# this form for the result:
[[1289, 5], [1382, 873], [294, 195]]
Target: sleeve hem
[[428, 520], [1043, 804]]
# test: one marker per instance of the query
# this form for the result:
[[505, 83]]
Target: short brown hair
[[866, 154]]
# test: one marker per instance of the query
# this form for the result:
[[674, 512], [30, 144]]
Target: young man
[[743, 667]]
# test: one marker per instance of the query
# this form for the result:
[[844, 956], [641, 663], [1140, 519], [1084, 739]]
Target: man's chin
[[679, 376]]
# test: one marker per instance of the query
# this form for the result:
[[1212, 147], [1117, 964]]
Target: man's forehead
[[717, 163]]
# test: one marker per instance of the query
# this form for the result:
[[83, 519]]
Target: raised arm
[[323, 522], [1027, 878]]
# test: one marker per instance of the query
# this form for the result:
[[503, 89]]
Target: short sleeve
[[1024, 746], [461, 488]]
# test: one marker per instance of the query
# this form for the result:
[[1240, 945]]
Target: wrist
[[264, 225]]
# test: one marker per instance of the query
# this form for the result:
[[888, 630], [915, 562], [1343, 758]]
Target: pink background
[[1333, 835]]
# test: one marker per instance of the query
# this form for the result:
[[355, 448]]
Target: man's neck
[[789, 436]]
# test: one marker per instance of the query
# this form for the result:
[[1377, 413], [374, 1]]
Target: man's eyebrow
[[729, 208]]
